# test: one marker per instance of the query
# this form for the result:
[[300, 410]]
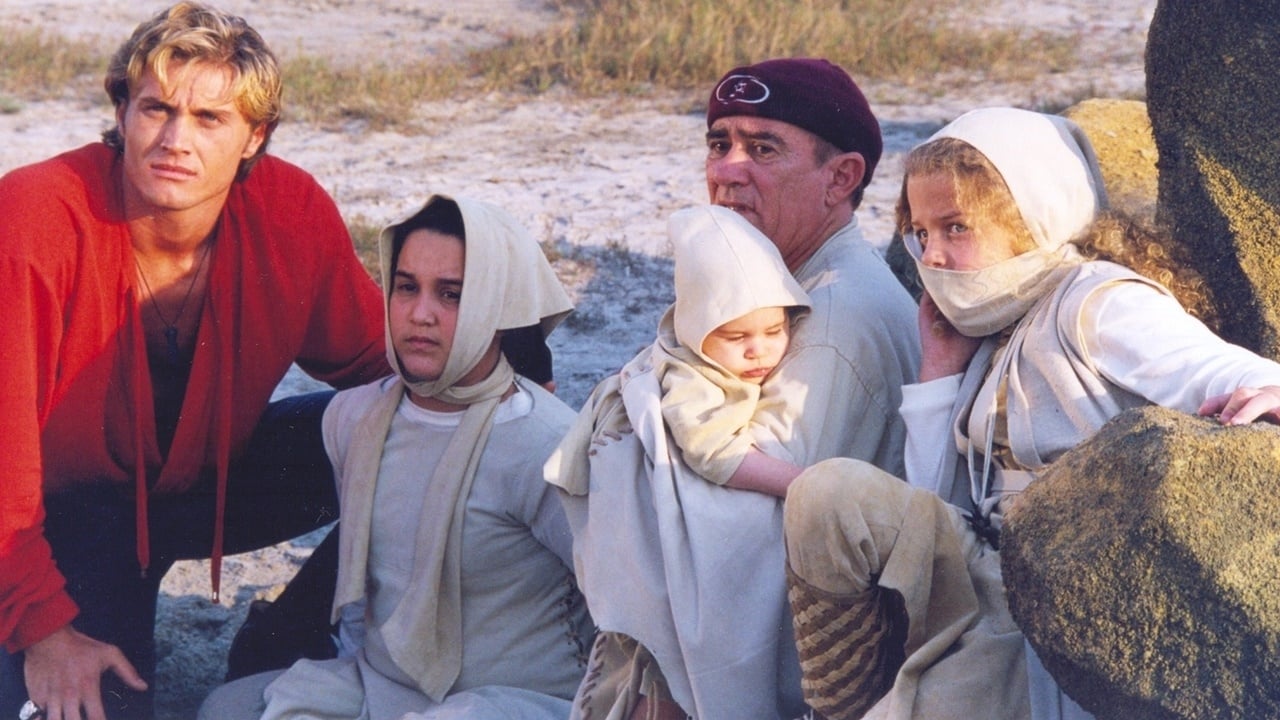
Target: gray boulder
[[1144, 568], [1213, 94]]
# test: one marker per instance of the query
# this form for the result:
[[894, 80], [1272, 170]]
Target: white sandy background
[[594, 179]]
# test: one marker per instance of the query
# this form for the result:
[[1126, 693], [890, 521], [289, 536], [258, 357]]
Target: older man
[[791, 145]]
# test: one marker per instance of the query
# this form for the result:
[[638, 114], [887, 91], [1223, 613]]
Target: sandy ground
[[594, 179]]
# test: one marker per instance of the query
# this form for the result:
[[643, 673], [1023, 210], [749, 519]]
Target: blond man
[[159, 285]]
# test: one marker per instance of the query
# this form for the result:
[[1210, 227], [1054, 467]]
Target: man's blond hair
[[192, 32]]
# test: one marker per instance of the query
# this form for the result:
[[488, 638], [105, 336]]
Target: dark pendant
[[171, 343]]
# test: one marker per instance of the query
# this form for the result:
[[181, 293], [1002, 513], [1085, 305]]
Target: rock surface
[[1120, 133], [1213, 94], [1144, 569]]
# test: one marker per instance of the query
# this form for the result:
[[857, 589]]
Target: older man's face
[[768, 171]]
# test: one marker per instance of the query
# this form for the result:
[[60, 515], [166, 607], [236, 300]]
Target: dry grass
[[39, 66], [364, 235], [619, 46], [380, 95], [610, 46]]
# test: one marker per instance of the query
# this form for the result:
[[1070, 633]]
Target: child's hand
[[1245, 405], [943, 350]]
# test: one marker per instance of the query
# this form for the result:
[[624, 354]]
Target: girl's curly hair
[[1125, 240]]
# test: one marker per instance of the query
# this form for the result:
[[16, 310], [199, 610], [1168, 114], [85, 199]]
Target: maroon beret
[[811, 94]]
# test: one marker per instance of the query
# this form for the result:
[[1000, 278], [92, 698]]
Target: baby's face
[[750, 346]]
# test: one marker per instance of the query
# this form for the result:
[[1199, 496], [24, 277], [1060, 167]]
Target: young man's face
[[426, 290], [183, 142], [768, 172], [751, 346]]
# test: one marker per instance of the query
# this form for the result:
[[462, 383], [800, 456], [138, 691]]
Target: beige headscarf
[[507, 283], [724, 269], [1050, 169]]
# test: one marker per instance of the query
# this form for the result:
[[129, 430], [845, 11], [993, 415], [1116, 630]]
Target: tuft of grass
[[623, 46], [378, 95], [364, 236], [34, 65]]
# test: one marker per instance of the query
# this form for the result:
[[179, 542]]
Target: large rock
[[1144, 568], [1120, 133], [1213, 94]]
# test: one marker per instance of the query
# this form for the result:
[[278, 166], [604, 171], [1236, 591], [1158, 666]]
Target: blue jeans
[[282, 487]]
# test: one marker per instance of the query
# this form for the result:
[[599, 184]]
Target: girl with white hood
[[1035, 331], [682, 570], [455, 589]]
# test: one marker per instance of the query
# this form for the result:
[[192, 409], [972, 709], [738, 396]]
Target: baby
[[735, 303]]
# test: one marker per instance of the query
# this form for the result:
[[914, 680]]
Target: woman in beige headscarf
[[682, 568], [454, 589], [1044, 317]]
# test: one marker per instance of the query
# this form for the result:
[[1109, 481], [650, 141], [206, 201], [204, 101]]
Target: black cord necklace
[[171, 328]]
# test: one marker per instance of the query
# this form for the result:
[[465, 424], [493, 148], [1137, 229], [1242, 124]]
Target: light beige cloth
[[693, 571], [1046, 161], [724, 269], [838, 389], [507, 283]]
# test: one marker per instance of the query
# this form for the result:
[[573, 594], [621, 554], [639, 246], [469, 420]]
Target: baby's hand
[[611, 428], [1245, 405]]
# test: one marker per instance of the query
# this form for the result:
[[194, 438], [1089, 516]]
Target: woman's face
[[953, 237], [426, 290]]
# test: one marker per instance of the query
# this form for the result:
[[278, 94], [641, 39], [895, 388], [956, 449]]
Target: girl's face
[[423, 310], [953, 237], [750, 346]]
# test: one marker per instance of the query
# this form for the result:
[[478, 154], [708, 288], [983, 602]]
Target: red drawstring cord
[[224, 459], [141, 524]]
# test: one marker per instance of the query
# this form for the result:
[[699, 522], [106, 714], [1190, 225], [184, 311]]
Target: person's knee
[[238, 699], [841, 520]]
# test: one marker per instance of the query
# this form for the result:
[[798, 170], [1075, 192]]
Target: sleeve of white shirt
[[351, 629], [930, 447], [1145, 342]]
